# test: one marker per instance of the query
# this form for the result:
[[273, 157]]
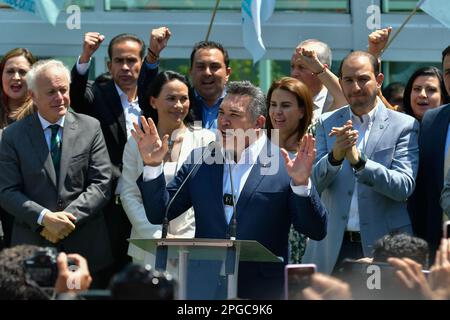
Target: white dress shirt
[[363, 125], [131, 109], [48, 135], [240, 172], [318, 103]]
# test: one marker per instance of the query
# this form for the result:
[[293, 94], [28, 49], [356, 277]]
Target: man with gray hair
[[56, 172], [310, 63], [267, 201]]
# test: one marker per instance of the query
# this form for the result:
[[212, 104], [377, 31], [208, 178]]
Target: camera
[[42, 267]]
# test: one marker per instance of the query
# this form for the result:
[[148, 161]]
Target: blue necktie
[[55, 147]]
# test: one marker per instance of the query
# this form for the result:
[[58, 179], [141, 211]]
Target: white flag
[[438, 9], [253, 13], [48, 10]]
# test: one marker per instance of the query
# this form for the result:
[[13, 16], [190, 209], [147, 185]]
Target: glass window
[[281, 5], [401, 71], [83, 4], [398, 5]]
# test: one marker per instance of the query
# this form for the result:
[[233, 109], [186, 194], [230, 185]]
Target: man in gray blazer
[[366, 164], [56, 173]]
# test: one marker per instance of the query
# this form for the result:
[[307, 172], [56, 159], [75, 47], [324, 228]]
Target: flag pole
[[212, 20], [403, 24]]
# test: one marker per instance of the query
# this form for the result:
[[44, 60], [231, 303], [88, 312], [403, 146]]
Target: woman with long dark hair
[[167, 102], [425, 90]]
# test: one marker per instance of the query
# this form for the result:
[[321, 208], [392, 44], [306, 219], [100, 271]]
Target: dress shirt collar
[[250, 154], [124, 97], [45, 124], [365, 118], [203, 102]]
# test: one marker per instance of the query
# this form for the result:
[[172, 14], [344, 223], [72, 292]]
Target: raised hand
[[439, 277], [151, 147], [378, 40], [92, 41], [309, 59], [300, 168], [158, 40]]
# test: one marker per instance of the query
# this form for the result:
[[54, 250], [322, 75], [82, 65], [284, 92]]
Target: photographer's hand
[[324, 287], [410, 275], [74, 278]]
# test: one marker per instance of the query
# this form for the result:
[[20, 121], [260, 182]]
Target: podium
[[221, 255]]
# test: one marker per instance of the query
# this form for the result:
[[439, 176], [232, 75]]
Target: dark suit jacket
[[266, 209], [424, 205], [28, 184], [101, 101]]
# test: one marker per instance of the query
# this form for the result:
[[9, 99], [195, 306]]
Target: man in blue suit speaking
[[270, 197]]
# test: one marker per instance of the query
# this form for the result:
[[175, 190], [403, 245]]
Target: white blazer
[[181, 227]]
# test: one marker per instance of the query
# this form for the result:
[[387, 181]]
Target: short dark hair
[[126, 37], [425, 71], [445, 53], [210, 45], [373, 61], [136, 282], [401, 245], [257, 105], [154, 89], [14, 284]]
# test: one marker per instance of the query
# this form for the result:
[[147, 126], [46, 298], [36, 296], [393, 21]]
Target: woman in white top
[[290, 110], [167, 103]]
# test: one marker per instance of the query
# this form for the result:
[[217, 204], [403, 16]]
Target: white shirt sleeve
[[151, 173], [82, 68], [302, 191], [41, 216]]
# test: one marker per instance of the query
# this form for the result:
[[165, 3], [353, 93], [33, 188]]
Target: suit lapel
[[69, 138], [37, 139], [379, 126]]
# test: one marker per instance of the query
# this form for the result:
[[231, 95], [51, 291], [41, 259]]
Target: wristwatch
[[333, 161], [361, 163]]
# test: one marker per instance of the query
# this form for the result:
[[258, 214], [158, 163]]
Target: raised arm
[[328, 78]]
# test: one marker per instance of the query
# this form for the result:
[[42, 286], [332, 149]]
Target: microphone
[[161, 251], [233, 222], [230, 260]]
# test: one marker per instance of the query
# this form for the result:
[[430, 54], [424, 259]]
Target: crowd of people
[[320, 169]]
